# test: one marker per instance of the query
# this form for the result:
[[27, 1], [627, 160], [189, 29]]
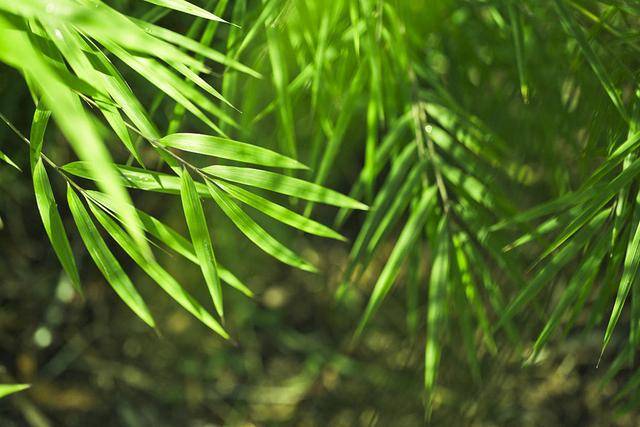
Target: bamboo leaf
[[282, 184], [229, 149], [8, 161], [187, 7], [255, 233], [403, 246], [199, 48], [36, 137], [280, 213], [593, 59], [7, 389], [199, 232], [105, 261], [53, 223], [157, 273], [629, 275], [436, 309], [175, 241], [17, 50]]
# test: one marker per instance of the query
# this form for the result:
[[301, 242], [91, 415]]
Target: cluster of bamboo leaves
[[446, 187], [65, 50], [371, 78]]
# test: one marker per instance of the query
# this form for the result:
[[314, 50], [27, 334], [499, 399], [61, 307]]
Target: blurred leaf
[[436, 309], [186, 7], [7, 389], [403, 246], [8, 161]]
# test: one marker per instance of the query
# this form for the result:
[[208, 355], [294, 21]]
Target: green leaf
[[175, 241], [197, 224], [391, 200], [175, 87], [7, 389], [601, 197], [471, 292], [157, 273], [580, 283], [105, 261], [199, 48], [557, 262], [629, 275], [255, 232], [156, 181], [278, 212], [436, 308], [283, 184], [186, 7], [8, 161], [281, 81], [593, 59], [53, 223], [17, 50], [403, 246], [229, 149], [141, 179], [38, 128], [515, 16]]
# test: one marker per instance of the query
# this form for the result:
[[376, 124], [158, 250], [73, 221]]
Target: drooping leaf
[[436, 309], [53, 223], [175, 241], [278, 212], [8, 161], [157, 273], [255, 232], [405, 243], [282, 184], [199, 232], [104, 259]]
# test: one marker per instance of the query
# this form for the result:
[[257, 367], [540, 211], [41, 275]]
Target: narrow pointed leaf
[[7, 389], [53, 223], [175, 241], [157, 273], [38, 128], [629, 276], [105, 261], [8, 161], [279, 212], [199, 232], [186, 7], [283, 184], [255, 232], [436, 309], [229, 149], [404, 244]]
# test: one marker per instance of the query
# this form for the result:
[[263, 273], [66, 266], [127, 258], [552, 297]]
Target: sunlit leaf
[[199, 232], [229, 149], [105, 261]]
